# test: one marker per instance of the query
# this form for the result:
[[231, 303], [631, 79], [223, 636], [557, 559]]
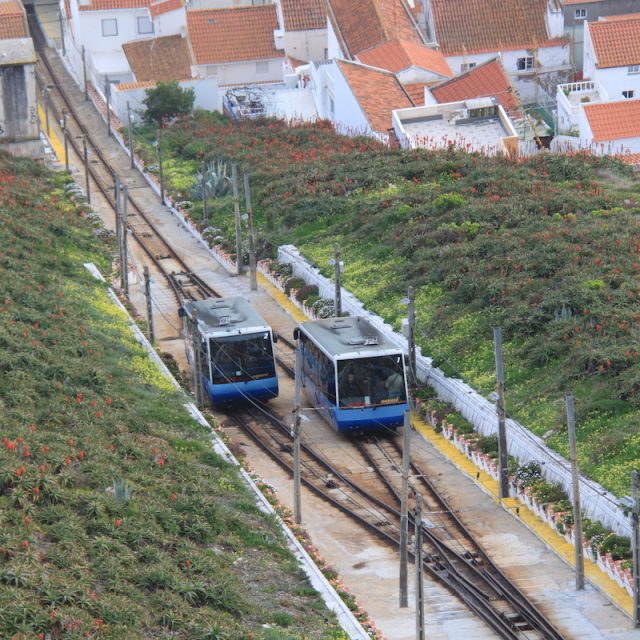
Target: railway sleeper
[[517, 621]]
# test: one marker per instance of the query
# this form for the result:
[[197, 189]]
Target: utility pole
[[404, 508], [635, 547], [502, 434], [236, 210], [147, 295], [205, 204], [107, 92], [337, 270], [295, 434], [197, 360], [64, 50], [575, 491], [124, 260], [411, 319], [116, 195], [130, 131], [420, 622], [84, 75], [45, 91], [86, 168], [66, 140], [253, 276], [159, 145]]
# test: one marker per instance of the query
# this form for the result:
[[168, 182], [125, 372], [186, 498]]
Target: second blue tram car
[[353, 374], [236, 347]]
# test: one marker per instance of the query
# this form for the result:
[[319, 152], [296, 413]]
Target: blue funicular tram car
[[238, 361], [353, 374]]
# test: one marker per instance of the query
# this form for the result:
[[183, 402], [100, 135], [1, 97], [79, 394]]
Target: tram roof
[[226, 316], [352, 336]]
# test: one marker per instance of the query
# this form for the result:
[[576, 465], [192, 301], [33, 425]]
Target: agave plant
[[215, 179], [122, 490]]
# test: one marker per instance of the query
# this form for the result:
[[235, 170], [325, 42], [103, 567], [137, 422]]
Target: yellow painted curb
[[541, 529], [281, 299], [54, 141]]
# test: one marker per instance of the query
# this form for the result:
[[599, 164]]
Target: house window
[[580, 14], [627, 94], [109, 27], [525, 64], [633, 68], [211, 70], [262, 67], [326, 54], [144, 25], [332, 107], [465, 66]]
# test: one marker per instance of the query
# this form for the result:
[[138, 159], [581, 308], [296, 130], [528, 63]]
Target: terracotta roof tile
[[13, 22], [616, 43], [378, 93], [367, 23], [631, 158], [160, 7], [233, 35], [624, 16], [484, 26], [488, 79], [614, 120], [128, 86], [397, 55], [416, 91], [581, 1], [165, 58], [303, 15], [107, 5]]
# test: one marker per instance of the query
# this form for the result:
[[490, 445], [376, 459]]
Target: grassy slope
[[189, 555], [547, 249]]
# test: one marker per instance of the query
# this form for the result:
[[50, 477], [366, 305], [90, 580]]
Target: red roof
[[415, 90], [581, 1], [378, 93], [397, 55], [13, 22], [164, 59], [614, 120], [110, 5], [158, 7], [487, 26], [488, 79], [303, 15], [363, 24], [616, 43], [233, 35]]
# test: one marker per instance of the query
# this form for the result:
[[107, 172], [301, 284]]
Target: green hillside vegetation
[[547, 248], [117, 520]]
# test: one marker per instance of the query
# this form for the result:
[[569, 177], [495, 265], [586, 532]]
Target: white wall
[[90, 29], [348, 116], [615, 80], [306, 45], [626, 145], [588, 55], [333, 45], [171, 23], [416, 74], [242, 72]]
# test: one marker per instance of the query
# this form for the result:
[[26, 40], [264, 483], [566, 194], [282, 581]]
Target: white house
[[236, 46], [612, 55], [304, 29], [611, 127], [527, 35], [358, 99]]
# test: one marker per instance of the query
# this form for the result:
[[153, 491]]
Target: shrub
[[305, 292], [293, 283], [165, 100]]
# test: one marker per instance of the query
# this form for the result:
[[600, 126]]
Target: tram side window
[[372, 381]]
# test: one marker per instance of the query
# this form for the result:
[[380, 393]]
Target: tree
[[167, 99]]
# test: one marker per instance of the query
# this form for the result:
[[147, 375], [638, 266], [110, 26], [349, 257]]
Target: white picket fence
[[596, 501]]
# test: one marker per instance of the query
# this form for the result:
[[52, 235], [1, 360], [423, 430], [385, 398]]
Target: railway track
[[452, 557], [62, 106]]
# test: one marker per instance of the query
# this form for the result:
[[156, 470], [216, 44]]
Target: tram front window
[[371, 381], [242, 358]]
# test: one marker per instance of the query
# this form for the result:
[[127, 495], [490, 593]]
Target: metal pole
[[411, 317], [130, 129], [147, 294], [253, 277], [635, 547], [116, 196], [197, 360], [295, 433], [575, 490], [46, 108], [159, 143], [64, 50], [404, 509], [337, 271], [84, 75], [124, 261], [236, 209], [205, 203], [420, 622], [65, 134], [502, 434], [86, 168], [107, 91]]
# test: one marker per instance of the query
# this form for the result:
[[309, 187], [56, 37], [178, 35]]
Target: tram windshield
[[371, 381], [242, 358]]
